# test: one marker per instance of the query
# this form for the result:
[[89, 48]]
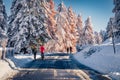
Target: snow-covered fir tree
[[49, 9], [116, 10], [3, 29], [98, 38], [110, 27], [28, 22], [80, 33], [59, 44], [103, 34], [3, 17], [72, 19], [3, 23], [62, 7], [80, 29], [65, 30], [88, 32], [51, 29]]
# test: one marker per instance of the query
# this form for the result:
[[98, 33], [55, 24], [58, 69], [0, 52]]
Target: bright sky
[[99, 10]]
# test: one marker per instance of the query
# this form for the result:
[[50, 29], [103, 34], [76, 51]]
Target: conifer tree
[[72, 19], [98, 38], [3, 23], [80, 29], [88, 32], [28, 22], [109, 28], [3, 28], [116, 24], [103, 35], [59, 44], [66, 30]]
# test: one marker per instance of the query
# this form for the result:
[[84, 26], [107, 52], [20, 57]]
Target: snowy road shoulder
[[5, 69], [11, 65], [102, 59]]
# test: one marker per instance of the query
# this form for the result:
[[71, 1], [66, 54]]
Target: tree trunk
[[3, 54]]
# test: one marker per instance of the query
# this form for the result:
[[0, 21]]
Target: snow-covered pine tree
[[116, 10], [49, 8], [51, 26], [62, 8], [103, 34], [63, 27], [98, 38], [3, 23], [88, 32], [59, 44], [3, 17], [80, 32], [72, 19], [3, 28], [109, 28], [65, 30], [80, 29], [28, 22]]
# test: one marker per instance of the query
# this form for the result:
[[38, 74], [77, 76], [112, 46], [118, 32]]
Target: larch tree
[[80, 39], [88, 32], [80, 29], [98, 38], [72, 19], [59, 44]]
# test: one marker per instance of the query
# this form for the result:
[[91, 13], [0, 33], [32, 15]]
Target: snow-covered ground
[[102, 58], [98, 57], [5, 69], [10, 63]]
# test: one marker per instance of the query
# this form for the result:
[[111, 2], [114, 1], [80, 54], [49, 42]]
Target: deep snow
[[4, 69], [102, 58], [14, 63]]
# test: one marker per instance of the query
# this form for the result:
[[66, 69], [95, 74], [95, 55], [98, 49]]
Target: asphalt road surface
[[57, 67]]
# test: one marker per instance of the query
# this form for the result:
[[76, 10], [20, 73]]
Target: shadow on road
[[57, 67], [57, 61]]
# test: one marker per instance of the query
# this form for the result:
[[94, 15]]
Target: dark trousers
[[42, 56], [34, 55]]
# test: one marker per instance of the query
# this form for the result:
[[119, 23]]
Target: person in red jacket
[[42, 49]]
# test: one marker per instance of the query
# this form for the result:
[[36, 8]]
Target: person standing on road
[[70, 50], [34, 51], [67, 50], [42, 51]]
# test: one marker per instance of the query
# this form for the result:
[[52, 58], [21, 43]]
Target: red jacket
[[42, 49]]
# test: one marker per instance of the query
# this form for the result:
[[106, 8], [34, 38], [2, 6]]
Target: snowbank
[[20, 60], [102, 59], [11, 64], [4, 68]]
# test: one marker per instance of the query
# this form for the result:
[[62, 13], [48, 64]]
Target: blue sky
[[99, 10]]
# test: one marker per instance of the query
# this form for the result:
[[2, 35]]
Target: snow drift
[[102, 59]]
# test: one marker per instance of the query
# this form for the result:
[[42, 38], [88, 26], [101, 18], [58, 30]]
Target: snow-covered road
[[56, 67]]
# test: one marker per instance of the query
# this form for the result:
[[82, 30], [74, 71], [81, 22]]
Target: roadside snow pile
[[4, 68], [21, 60], [108, 41], [16, 62], [102, 59]]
